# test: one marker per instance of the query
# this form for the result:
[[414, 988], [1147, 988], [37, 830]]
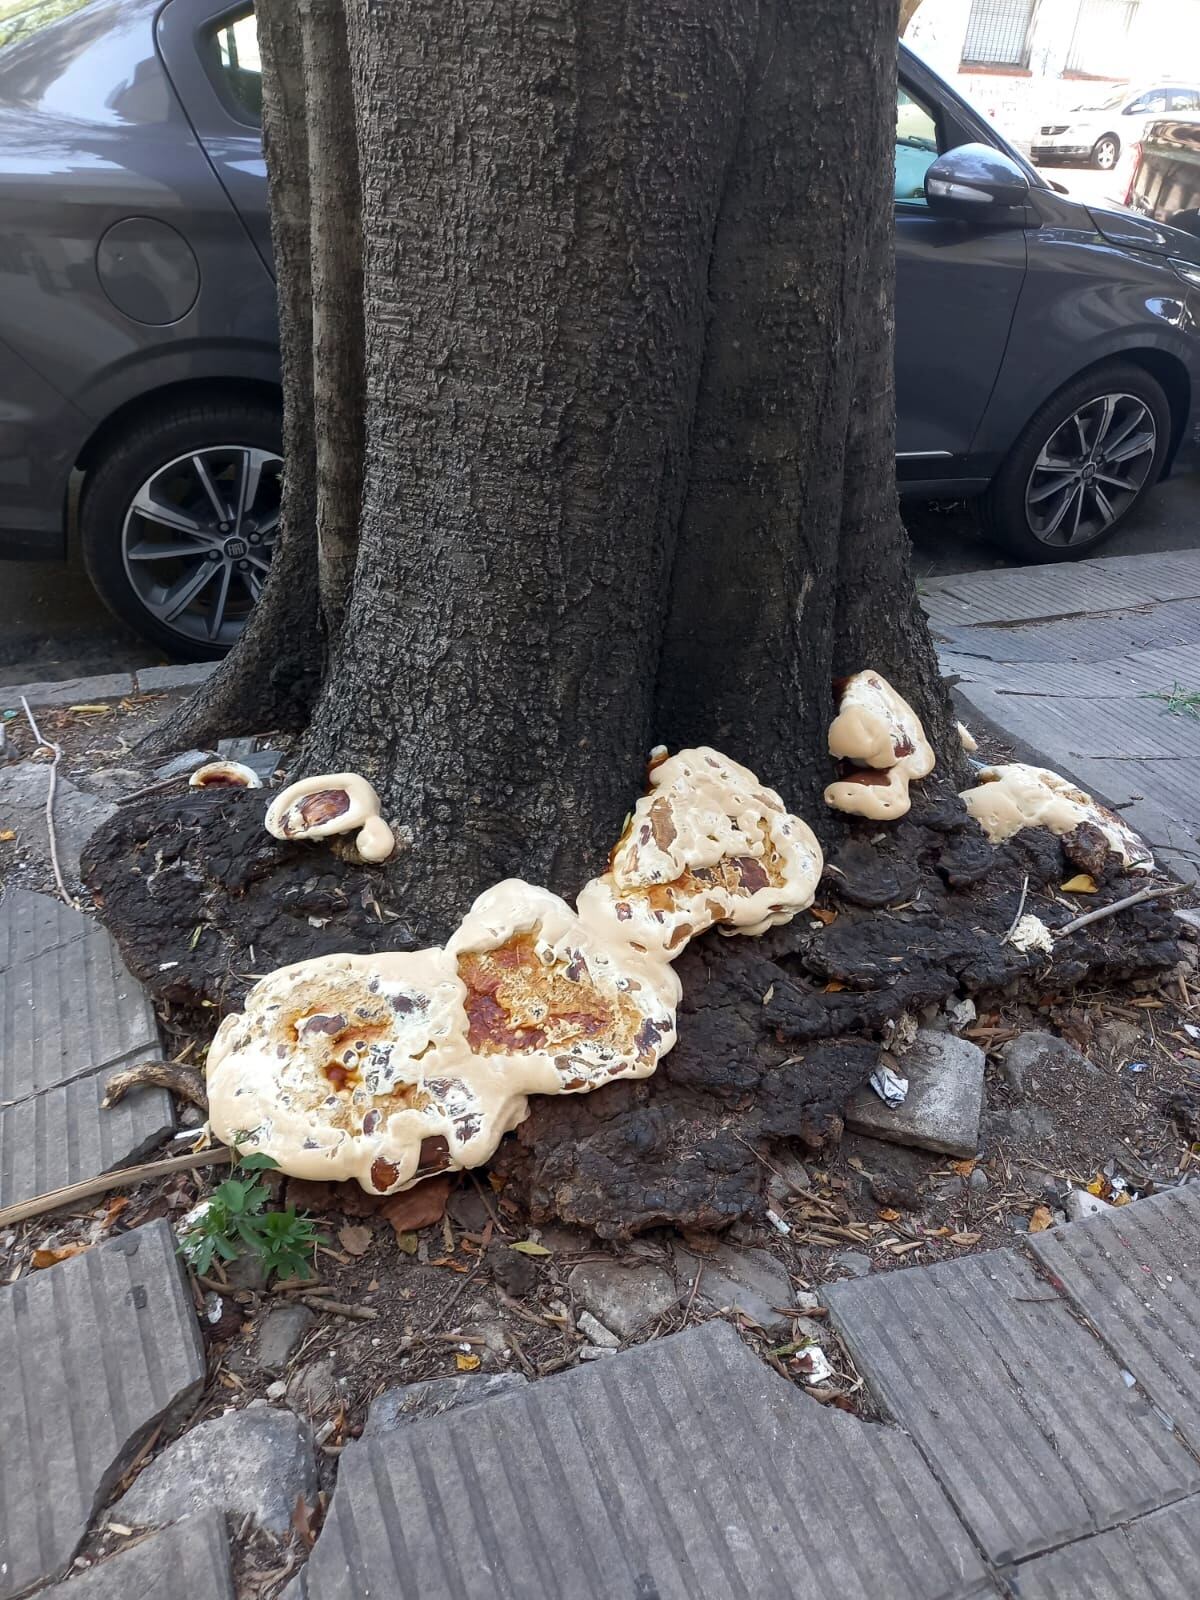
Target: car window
[[1181, 100], [231, 48], [1147, 103], [916, 146]]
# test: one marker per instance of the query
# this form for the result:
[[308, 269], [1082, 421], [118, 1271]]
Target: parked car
[[1045, 354], [1164, 175], [1098, 130]]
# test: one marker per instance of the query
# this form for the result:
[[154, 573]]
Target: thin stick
[[56, 751], [1020, 908], [339, 1308], [123, 1178], [1153, 893]]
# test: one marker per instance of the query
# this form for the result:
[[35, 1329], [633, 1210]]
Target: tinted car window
[[1148, 102], [1182, 100], [233, 60], [916, 146]]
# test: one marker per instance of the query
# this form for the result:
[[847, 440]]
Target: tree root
[[185, 1083]]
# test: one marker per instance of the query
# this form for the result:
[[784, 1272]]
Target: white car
[[1099, 130]]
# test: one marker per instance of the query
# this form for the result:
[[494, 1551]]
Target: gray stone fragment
[[278, 1335], [67, 691], [77, 814], [1134, 1272], [263, 762], [1041, 1055], [623, 1297], [978, 1181], [197, 1547], [1032, 1429], [152, 679], [413, 1402], [684, 1469], [313, 1389], [1079, 1204], [753, 1281], [63, 1135], [94, 1353], [945, 1098], [1023, 1125], [789, 1176], [1192, 918], [115, 781], [853, 1262], [251, 1463], [595, 1332], [68, 1012], [184, 764]]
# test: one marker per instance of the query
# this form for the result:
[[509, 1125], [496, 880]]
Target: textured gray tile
[[68, 1011], [1063, 588], [66, 691], [93, 1353], [681, 1470], [62, 1135], [1152, 1559], [1023, 1416], [191, 1558], [1134, 1272], [31, 924]]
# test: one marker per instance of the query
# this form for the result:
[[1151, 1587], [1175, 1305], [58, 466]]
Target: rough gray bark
[[272, 677]]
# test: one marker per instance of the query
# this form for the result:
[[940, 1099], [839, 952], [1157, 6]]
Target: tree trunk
[[628, 468]]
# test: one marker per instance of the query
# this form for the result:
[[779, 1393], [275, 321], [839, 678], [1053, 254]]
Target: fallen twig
[[123, 1178], [56, 752], [338, 1308], [1012, 927], [1155, 892], [186, 1083]]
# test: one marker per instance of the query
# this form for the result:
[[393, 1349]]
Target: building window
[[998, 33], [1100, 42]]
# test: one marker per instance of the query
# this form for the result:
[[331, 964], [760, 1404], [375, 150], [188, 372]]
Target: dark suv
[[1046, 358]]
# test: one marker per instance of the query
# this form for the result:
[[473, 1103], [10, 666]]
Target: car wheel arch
[[198, 390]]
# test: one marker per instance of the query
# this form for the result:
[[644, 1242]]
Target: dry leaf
[[822, 915], [1081, 883], [1040, 1220], [833, 988], [1099, 1186], [356, 1241], [964, 1168], [466, 1363], [527, 1247], [965, 1238], [7, 834], [50, 1255], [408, 1242], [1121, 1199], [419, 1207], [888, 1215], [114, 1209], [496, 1181]]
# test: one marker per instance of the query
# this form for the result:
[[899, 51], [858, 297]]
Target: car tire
[[1046, 474], [163, 506], [1106, 152]]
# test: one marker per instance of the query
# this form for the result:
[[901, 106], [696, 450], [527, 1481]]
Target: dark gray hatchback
[[1046, 352]]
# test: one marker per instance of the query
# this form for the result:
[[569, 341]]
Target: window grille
[[998, 33]]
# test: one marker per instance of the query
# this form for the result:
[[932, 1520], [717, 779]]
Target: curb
[[107, 686]]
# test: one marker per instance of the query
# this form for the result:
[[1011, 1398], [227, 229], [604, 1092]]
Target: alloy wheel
[[1090, 470], [198, 537], [1105, 155]]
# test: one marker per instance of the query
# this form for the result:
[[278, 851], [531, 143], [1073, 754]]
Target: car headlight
[[1186, 271]]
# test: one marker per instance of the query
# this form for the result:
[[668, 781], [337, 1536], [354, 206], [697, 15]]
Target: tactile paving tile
[[31, 924], [93, 1353], [191, 1557], [1151, 1559], [1023, 1416], [682, 1470], [1134, 1272]]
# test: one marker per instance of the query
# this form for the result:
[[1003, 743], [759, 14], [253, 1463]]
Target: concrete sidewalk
[[1072, 665]]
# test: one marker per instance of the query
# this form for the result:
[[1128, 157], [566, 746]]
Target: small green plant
[[235, 1219], [1177, 701]]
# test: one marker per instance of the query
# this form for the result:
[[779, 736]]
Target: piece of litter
[[1031, 933], [1192, 1031], [1129, 1378], [165, 966], [813, 1365], [778, 1223], [891, 1088], [1137, 1066]]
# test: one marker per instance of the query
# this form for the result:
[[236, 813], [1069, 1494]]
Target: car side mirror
[[978, 183]]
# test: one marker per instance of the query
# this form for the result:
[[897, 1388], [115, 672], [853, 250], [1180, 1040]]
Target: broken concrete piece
[[181, 765], [624, 1298], [1041, 1054], [1079, 1204], [253, 1463], [313, 1389], [114, 1322], [198, 1546], [741, 1279], [945, 1098], [595, 1332], [413, 1402], [76, 815], [854, 1262], [278, 1335]]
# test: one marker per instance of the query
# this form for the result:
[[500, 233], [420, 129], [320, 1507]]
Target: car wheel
[[179, 519], [1105, 152], [1085, 460]]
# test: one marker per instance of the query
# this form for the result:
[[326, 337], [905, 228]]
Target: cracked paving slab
[[1025, 1419]]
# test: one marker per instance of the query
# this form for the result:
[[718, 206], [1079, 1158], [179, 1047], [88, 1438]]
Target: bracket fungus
[[880, 739], [224, 775], [387, 1068], [336, 802], [1015, 796]]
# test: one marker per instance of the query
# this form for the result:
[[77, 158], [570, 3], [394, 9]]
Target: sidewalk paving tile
[[1151, 1559], [63, 1135], [93, 1354], [66, 691], [684, 1469], [65, 1013], [1134, 1273], [184, 676], [1016, 1406], [31, 924], [1064, 588], [191, 1557]]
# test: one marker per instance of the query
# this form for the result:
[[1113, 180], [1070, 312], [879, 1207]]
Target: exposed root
[[185, 1083]]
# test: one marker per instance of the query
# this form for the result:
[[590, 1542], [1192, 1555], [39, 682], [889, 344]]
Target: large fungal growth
[[1013, 796], [389, 1067], [880, 743], [332, 803]]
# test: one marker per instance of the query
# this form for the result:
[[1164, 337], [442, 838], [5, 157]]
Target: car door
[[957, 287], [211, 54]]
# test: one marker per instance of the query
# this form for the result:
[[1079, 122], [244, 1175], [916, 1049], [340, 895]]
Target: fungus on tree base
[[1016, 795], [336, 802], [966, 738], [225, 775], [387, 1068], [879, 737]]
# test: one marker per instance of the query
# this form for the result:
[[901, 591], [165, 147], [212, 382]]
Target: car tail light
[[1135, 162]]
